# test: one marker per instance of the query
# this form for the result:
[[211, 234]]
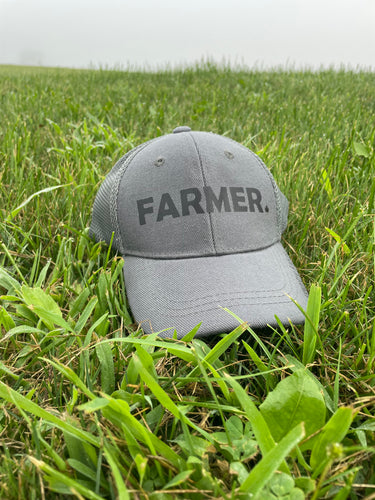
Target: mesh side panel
[[284, 208], [103, 223], [104, 213], [282, 203], [101, 228]]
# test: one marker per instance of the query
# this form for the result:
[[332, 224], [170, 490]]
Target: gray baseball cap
[[198, 219]]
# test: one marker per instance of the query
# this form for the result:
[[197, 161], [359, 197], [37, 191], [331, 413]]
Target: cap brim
[[180, 293]]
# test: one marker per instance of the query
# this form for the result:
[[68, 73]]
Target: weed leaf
[[361, 149], [259, 425], [43, 305], [180, 478], [294, 400]]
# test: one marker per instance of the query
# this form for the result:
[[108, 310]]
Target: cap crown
[[189, 194]]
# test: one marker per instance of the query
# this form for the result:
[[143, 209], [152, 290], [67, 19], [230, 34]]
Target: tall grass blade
[[62, 483], [122, 492], [259, 425], [263, 470], [311, 325], [11, 396], [176, 348], [220, 347], [72, 376], [333, 432], [107, 368], [14, 212], [118, 412], [163, 397]]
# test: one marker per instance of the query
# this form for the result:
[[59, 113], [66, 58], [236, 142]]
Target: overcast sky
[[153, 33]]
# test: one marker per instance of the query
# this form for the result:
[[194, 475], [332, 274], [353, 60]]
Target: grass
[[91, 407]]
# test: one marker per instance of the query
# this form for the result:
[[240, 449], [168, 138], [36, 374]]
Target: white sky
[[154, 33]]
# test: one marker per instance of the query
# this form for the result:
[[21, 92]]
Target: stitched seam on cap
[[115, 192], [205, 184], [274, 187], [196, 255], [271, 178], [113, 205], [267, 295]]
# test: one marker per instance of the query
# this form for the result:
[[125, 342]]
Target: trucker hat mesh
[[101, 226]]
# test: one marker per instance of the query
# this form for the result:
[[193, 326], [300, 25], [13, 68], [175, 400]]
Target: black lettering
[[191, 202], [212, 200], [167, 207], [237, 198], [254, 198], [142, 210], [195, 197]]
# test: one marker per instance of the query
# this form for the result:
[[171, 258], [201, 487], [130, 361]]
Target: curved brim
[[177, 294]]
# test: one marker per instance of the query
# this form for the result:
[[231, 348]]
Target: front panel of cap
[[196, 194], [150, 216], [252, 221]]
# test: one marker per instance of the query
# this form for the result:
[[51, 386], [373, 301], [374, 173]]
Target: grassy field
[[92, 408]]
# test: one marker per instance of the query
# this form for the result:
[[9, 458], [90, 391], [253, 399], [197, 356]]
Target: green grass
[[92, 408]]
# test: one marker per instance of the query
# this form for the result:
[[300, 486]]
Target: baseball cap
[[198, 219]]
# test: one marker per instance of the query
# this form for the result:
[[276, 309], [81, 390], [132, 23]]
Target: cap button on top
[[183, 128]]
